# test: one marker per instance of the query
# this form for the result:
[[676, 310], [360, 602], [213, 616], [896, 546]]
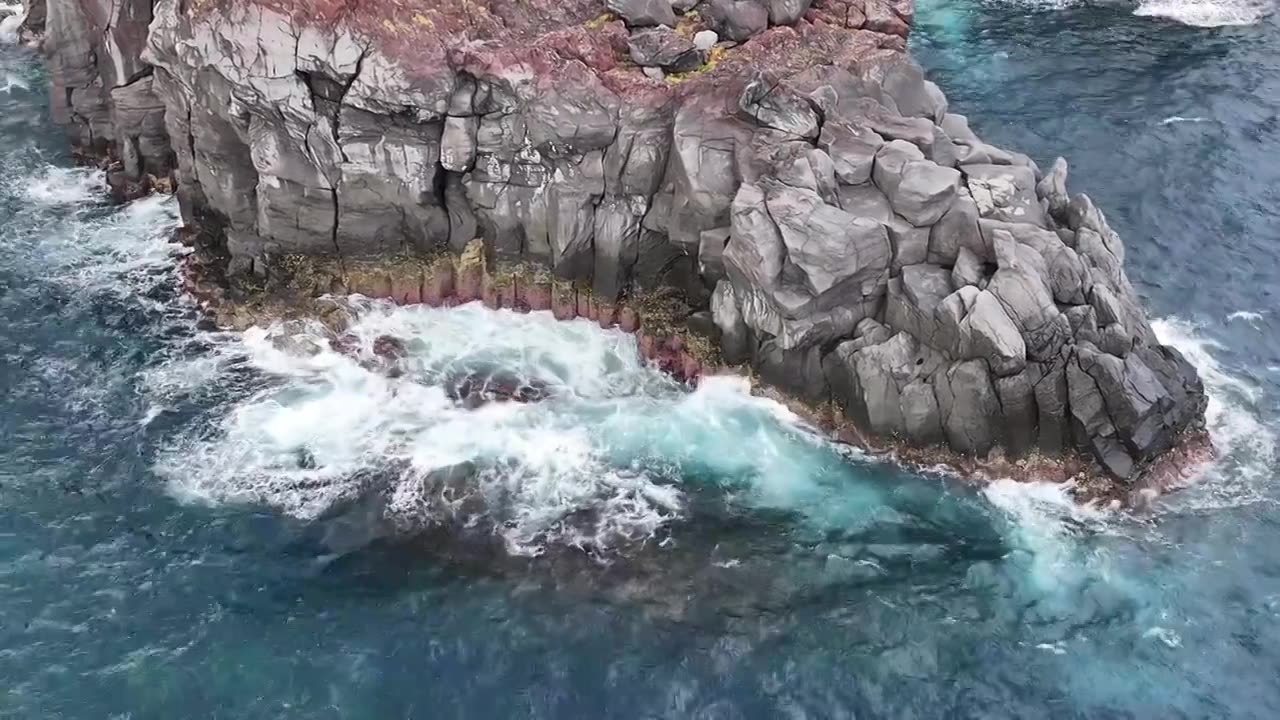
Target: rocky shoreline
[[686, 350], [768, 183]]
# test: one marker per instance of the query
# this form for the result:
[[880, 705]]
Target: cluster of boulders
[[681, 36], [940, 289], [782, 164]]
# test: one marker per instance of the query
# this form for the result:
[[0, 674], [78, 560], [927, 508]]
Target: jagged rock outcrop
[[796, 175], [102, 87]]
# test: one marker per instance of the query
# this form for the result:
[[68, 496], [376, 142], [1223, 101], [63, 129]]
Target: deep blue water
[[156, 560]]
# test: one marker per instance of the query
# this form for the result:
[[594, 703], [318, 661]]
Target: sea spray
[[1245, 444], [11, 18], [539, 472], [602, 460]]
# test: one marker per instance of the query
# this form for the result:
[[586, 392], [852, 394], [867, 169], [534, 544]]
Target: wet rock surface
[[796, 176], [473, 389]]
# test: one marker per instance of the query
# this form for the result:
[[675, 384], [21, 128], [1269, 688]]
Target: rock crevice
[[783, 165]]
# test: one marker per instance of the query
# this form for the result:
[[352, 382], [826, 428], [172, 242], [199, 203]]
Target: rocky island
[[763, 182]]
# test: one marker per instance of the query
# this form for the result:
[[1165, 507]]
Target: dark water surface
[[701, 556]]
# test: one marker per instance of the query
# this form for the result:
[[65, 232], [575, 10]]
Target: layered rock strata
[[782, 164]]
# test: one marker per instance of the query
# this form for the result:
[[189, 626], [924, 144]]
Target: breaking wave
[[64, 186], [1046, 524], [1245, 444], [580, 444], [1196, 13], [11, 17], [1200, 13]]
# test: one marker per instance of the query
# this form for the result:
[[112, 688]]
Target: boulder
[[913, 96], [912, 300], [665, 48], [796, 371], [1095, 240], [969, 406], [870, 332], [910, 243], [1018, 412], [993, 336], [921, 418], [1105, 305], [769, 104], [642, 13], [1029, 303], [827, 245], [458, 143], [1005, 192], [755, 248], [925, 192], [949, 316], [787, 12], [881, 17], [968, 270], [1051, 398], [958, 228], [891, 161], [1052, 188], [703, 174], [735, 341], [852, 150], [711, 253], [737, 20], [1066, 274], [879, 382], [865, 201]]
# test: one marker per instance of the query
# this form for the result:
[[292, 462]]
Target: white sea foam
[[1174, 119], [536, 474], [63, 234], [11, 81], [64, 186], [1169, 637], [128, 251], [1245, 444], [1247, 315], [600, 462], [1206, 13], [1046, 519], [11, 18]]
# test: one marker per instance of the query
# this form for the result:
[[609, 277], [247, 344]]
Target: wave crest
[[1199, 13]]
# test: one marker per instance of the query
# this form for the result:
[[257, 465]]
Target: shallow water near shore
[[182, 513]]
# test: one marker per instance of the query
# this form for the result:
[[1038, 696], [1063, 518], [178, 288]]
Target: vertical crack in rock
[[328, 93], [337, 139]]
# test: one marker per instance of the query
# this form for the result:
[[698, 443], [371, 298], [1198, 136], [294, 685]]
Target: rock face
[[797, 177], [104, 93]]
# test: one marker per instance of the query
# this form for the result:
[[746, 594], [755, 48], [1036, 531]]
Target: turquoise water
[[186, 516]]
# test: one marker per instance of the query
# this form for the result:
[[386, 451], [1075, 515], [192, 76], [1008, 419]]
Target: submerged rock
[[474, 389]]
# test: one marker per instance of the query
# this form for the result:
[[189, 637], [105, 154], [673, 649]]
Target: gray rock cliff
[[851, 237]]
